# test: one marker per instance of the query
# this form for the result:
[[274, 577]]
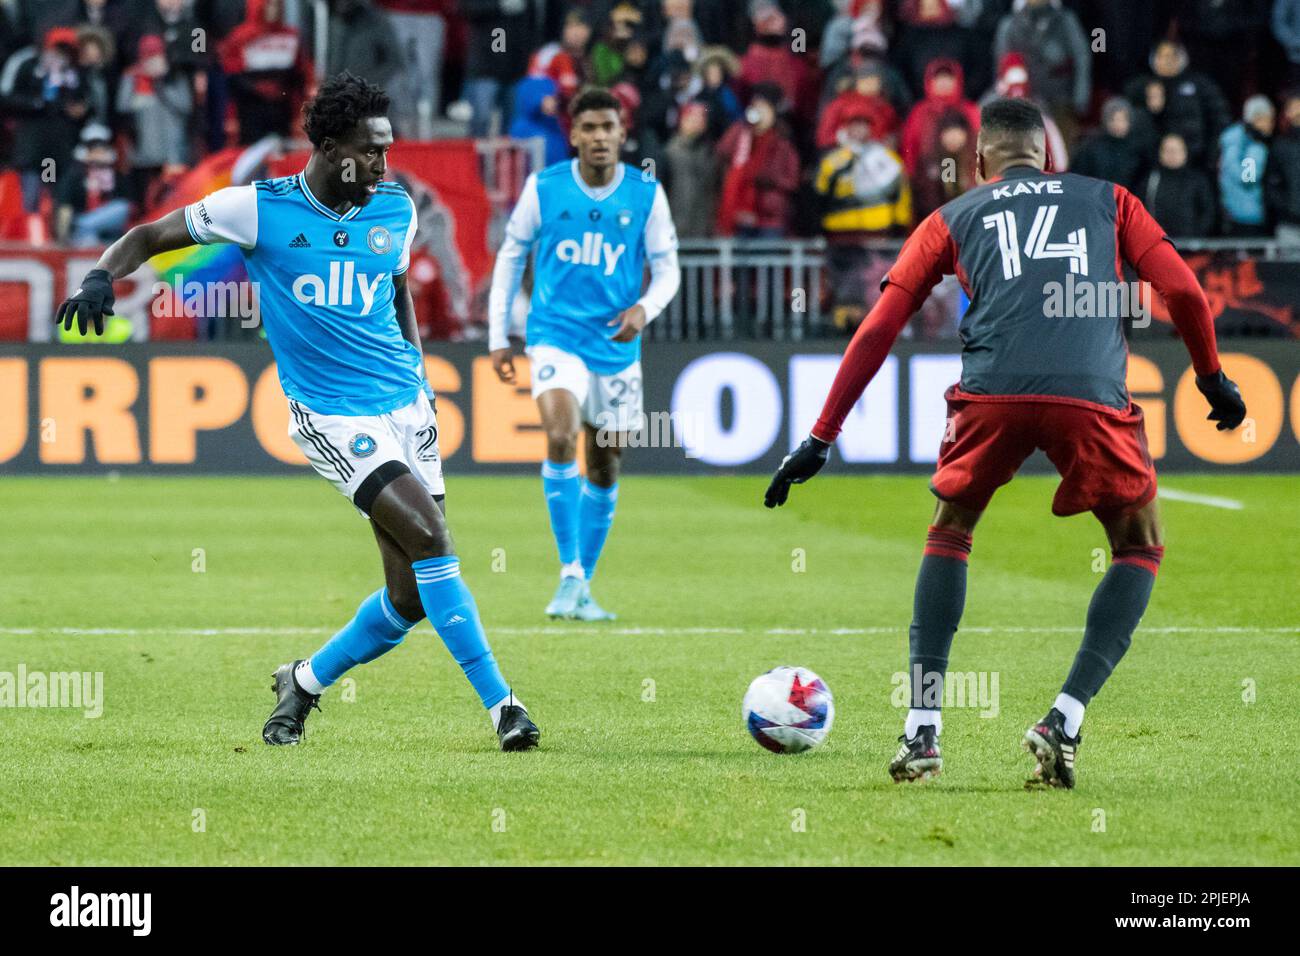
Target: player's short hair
[[344, 100], [1011, 115], [595, 98]]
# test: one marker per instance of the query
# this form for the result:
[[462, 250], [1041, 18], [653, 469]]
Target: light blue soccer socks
[[595, 515], [375, 629], [452, 611], [560, 483]]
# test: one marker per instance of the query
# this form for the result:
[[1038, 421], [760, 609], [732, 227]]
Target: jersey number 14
[[1037, 245]]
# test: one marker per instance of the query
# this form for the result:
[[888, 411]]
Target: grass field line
[[561, 630], [1191, 497]]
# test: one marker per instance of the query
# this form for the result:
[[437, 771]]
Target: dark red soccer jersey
[[1014, 244], [1026, 247]]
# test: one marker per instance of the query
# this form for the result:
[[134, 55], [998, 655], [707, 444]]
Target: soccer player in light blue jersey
[[592, 224], [328, 249]]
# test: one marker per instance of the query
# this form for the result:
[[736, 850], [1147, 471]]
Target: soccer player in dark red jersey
[[1029, 381]]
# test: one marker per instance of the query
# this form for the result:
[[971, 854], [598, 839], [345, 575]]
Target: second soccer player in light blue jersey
[[328, 250], [592, 224]]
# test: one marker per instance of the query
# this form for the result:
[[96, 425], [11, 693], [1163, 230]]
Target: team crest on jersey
[[624, 218], [380, 240], [341, 238], [361, 446]]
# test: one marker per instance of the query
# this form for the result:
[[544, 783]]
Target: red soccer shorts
[[1100, 452]]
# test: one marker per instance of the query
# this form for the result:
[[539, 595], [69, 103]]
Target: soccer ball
[[788, 710]]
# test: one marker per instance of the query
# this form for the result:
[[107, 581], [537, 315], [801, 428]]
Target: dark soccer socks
[[936, 612], [1116, 608]]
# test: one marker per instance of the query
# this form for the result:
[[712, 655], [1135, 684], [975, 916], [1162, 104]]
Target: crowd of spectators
[[764, 118]]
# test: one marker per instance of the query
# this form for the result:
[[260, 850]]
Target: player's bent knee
[[1136, 529], [426, 539], [561, 445], [950, 516]]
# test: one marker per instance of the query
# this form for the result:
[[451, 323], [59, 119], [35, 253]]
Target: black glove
[[89, 304], [1224, 398], [796, 468]]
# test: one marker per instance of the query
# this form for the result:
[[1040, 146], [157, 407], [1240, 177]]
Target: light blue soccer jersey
[[589, 259], [325, 289]]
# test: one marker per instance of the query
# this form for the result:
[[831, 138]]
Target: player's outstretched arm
[[863, 358], [94, 300], [1164, 268], [1144, 246]]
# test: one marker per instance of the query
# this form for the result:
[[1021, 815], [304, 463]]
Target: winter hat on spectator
[[150, 45], [692, 108], [855, 111], [868, 29], [1257, 106], [61, 37], [93, 134], [719, 54], [626, 12], [1013, 76]]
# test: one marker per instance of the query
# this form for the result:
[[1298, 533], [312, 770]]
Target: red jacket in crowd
[[922, 127], [761, 178], [262, 45]]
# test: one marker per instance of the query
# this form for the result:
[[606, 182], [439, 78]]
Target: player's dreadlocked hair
[[595, 98], [1009, 115], [343, 101]]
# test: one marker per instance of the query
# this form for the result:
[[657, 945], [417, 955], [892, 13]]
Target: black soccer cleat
[[918, 758], [285, 725], [515, 730], [1055, 751]]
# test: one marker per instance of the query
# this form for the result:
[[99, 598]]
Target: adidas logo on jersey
[[592, 251], [339, 288], [300, 242]]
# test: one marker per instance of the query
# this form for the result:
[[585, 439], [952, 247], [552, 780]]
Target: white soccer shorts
[[607, 401], [346, 449]]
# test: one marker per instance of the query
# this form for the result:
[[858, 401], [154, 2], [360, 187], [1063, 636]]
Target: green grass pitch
[[1189, 753]]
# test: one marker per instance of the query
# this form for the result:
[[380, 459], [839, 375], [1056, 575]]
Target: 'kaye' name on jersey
[[1027, 188], [311, 289]]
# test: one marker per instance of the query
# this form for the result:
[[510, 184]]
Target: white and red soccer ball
[[789, 710]]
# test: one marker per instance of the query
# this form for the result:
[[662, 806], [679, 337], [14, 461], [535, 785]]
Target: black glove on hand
[[796, 468], [1224, 398], [89, 304]]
